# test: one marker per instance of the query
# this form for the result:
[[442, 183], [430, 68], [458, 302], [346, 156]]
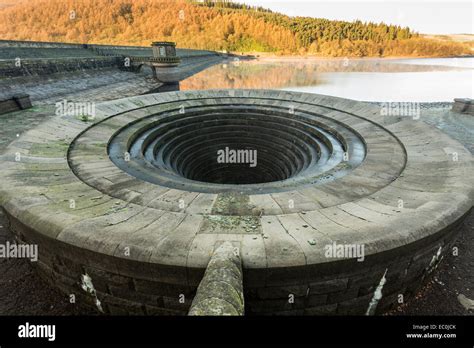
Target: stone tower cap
[[163, 43]]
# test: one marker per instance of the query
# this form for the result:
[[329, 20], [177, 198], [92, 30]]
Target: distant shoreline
[[265, 57]]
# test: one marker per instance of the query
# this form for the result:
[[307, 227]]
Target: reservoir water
[[371, 79]]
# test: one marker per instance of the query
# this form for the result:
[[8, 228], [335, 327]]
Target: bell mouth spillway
[[274, 148], [137, 201]]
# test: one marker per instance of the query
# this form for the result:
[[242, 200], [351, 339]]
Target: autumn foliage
[[203, 26]]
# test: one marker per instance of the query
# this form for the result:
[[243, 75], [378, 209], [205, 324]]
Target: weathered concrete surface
[[96, 85], [22, 291], [15, 103], [221, 291], [290, 240], [90, 86]]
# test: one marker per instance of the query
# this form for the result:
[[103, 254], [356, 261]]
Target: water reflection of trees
[[292, 73], [250, 75]]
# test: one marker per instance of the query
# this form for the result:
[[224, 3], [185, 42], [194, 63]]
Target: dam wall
[[33, 58]]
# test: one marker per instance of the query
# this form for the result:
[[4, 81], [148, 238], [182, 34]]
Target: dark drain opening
[[234, 151], [236, 165], [277, 149]]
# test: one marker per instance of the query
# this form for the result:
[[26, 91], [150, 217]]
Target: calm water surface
[[423, 80]]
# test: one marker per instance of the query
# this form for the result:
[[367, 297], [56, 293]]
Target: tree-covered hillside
[[215, 25]]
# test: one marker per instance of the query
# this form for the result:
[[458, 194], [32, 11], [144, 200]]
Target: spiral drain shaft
[[237, 148]]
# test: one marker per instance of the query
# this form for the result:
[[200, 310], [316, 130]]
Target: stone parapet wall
[[8, 68], [38, 44], [26, 58], [109, 49]]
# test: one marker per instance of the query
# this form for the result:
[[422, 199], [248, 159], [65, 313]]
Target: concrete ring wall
[[129, 246]]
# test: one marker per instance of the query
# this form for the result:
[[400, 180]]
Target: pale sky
[[423, 16]]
